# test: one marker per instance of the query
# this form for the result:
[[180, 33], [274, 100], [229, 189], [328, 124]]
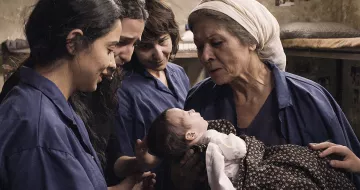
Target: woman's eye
[[216, 44], [109, 51], [144, 46], [199, 48]]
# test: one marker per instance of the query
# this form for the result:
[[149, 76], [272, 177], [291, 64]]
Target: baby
[[230, 160], [175, 131]]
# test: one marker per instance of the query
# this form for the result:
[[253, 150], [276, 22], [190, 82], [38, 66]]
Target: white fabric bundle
[[223, 156]]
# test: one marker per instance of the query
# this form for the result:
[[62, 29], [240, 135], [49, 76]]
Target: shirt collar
[[281, 87], [48, 88]]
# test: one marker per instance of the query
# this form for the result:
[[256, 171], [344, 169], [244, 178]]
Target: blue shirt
[[142, 98], [44, 144], [306, 111]]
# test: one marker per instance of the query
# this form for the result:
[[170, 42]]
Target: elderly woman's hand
[[350, 162], [189, 172]]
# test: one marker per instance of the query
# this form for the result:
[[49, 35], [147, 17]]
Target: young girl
[[44, 144]]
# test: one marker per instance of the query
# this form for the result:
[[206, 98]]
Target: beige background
[[13, 14]]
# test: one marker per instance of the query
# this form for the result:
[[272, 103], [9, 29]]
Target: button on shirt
[[44, 144]]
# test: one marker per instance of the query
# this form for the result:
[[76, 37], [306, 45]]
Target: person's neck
[[160, 75], [156, 74], [60, 74], [254, 83]]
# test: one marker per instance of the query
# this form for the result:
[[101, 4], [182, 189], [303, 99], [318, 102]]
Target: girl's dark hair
[[98, 109], [52, 20], [161, 21], [135, 9], [163, 141]]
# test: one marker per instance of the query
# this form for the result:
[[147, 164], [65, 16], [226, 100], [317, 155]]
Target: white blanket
[[222, 158]]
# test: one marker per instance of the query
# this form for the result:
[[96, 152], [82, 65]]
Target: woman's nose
[[158, 52], [112, 64], [206, 55]]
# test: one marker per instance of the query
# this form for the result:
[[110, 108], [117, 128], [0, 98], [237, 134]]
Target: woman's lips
[[215, 70]]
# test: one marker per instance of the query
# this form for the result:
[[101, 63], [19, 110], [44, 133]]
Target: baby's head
[[174, 131]]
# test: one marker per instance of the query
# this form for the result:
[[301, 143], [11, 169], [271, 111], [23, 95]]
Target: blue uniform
[[44, 144], [141, 99], [306, 112]]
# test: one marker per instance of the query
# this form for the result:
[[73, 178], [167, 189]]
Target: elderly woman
[[238, 44]]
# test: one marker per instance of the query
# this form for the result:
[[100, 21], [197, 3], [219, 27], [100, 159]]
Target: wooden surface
[[346, 54]]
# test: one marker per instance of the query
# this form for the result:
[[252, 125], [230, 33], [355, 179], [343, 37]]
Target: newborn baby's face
[[186, 121]]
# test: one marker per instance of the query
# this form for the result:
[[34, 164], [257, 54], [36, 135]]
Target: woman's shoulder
[[29, 115], [310, 97], [304, 85], [22, 100]]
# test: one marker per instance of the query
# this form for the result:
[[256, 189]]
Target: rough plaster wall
[[12, 17], [351, 13], [312, 10], [308, 11]]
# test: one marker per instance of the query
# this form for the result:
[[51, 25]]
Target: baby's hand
[[350, 162], [143, 156]]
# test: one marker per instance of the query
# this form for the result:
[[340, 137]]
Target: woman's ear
[[70, 40], [190, 135], [252, 47]]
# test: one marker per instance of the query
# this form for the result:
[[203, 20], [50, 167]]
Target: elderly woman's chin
[[221, 79]]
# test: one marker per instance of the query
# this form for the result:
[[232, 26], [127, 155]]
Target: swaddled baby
[[241, 163], [175, 131]]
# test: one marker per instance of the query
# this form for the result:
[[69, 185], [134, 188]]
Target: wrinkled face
[[155, 55], [130, 36], [221, 53], [96, 62], [186, 120]]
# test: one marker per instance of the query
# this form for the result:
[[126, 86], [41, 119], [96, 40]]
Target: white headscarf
[[256, 20]]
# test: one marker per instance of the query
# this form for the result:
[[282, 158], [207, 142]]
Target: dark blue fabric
[[306, 111], [265, 126], [142, 98], [44, 144]]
